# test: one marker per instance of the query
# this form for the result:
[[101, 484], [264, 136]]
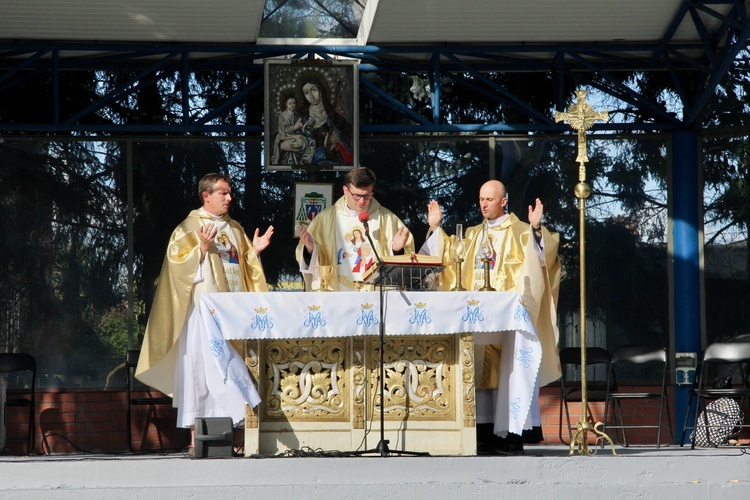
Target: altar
[[314, 358]]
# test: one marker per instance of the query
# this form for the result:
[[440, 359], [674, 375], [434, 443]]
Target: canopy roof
[[568, 38], [377, 22]]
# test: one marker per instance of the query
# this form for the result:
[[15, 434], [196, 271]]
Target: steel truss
[[695, 70]]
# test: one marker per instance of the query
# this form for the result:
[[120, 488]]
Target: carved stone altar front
[[324, 394], [315, 360]]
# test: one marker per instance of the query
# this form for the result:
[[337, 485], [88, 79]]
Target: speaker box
[[214, 437]]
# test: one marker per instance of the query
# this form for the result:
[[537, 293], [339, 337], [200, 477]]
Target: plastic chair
[[131, 362], [22, 362], [733, 355], [570, 387], [646, 356]]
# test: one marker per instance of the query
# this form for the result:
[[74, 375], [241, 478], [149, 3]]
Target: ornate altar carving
[[306, 379], [419, 379]]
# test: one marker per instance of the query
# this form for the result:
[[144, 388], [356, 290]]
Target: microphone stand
[[382, 447], [367, 234]]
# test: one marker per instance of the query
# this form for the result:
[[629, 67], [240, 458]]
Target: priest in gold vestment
[[523, 258], [207, 252], [337, 236]]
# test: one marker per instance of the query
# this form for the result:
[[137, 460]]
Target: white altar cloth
[[498, 317]]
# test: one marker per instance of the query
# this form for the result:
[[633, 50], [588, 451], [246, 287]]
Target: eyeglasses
[[359, 197]]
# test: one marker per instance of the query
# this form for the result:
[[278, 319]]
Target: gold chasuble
[[515, 266], [340, 242], [234, 266]]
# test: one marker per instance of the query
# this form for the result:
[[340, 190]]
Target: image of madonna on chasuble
[[340, 242]]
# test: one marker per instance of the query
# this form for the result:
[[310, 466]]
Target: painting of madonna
[[314, 123]]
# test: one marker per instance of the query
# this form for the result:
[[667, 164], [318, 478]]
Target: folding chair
[[644, 356], [131, 362], [21, 362], [570, 385], [732, 355]]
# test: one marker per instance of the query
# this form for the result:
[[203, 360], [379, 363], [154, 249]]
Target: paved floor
[[546, 472]]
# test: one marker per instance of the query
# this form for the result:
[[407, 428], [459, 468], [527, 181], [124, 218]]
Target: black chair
[[570, 384], [645, 357], [15, 363], [131, 362], [718, 360]]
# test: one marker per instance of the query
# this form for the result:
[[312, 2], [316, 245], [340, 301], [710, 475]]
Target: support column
[[686, 245]]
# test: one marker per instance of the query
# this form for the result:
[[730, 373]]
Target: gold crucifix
[[581, 117]]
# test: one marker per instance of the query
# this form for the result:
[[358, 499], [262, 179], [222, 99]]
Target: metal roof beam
[[623, 92], [126, 88], [230, 103], [386, 99], [22, 61], [697, 107], [502, 93]]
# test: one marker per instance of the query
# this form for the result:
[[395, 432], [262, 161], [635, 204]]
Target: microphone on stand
[[364, 217]]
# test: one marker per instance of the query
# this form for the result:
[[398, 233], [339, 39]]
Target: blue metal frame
[[591, 64], [685, 215]]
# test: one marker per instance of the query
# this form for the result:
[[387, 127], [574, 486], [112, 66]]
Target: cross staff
[[581, 116]]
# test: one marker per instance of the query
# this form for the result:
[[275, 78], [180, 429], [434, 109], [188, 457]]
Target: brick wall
[[94, 420], [636, 412]]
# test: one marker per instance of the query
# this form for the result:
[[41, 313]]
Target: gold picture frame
[[311, 114]]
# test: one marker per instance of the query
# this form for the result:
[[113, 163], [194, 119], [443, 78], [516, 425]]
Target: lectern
[[412, 273]]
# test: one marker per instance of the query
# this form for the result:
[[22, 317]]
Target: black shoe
[[509, 449], [533, 435], [484, 449], [485, 439], [509, 446]]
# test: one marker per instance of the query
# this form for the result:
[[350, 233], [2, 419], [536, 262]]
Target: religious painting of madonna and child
[[311, 117]]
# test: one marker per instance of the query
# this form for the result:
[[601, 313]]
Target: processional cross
[[581, 117]]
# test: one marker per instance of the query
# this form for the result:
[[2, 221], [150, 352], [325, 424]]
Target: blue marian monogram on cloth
[[473, 313], [420, 314], [367, 315], [261, 321], [315, 317]]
